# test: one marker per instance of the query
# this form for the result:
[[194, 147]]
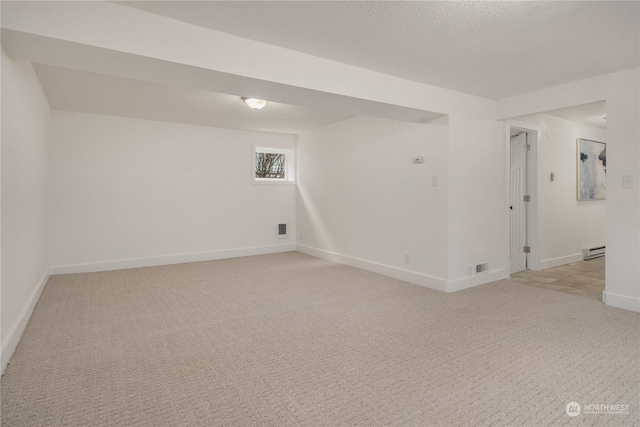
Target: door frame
[[534, 207], [518, 208]]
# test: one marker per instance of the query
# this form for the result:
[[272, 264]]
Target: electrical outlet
[[407, 258], [627, 181]]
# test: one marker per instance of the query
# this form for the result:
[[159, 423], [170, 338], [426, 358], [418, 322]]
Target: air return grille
[[281, 232], [482, 268]]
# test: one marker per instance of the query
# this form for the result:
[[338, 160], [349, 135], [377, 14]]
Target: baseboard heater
[[590, 253]]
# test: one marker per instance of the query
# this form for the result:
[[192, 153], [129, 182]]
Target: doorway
[[522, 195], [560, 229]]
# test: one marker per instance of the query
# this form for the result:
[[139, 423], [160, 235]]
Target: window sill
[[266, 181]]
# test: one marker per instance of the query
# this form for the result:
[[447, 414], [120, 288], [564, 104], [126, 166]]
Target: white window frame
[[289, 168]]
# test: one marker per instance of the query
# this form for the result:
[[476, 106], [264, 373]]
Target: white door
[[518, 208]]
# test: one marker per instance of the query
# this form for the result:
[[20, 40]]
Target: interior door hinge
[[526, 147], [527, 198], [527, 249]]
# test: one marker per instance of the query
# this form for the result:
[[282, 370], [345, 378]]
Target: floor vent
[[482, 268], [590, 253], [281, 231]]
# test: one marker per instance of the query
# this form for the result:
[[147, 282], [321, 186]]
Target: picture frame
[[591, 166]]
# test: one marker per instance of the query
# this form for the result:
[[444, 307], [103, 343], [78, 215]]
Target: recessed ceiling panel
[[83, 91]]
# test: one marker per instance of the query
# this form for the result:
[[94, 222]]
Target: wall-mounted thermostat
[[418, 160]]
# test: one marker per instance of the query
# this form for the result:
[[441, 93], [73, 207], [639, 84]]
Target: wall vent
[[590, 253], [281, 231], [482, 268]]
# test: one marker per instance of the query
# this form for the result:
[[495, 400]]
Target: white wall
[[129, 192], [621, 91], [25, 262], [622, 279], [362, 201], [477, 205], [566, 225]]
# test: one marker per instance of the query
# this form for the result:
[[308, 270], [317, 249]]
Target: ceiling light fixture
[[255, 104]]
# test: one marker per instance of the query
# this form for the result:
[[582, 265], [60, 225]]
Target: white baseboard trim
[[171, 259], [477, 280], [556, 262], [385, 270], [13, 338], [621, 301]]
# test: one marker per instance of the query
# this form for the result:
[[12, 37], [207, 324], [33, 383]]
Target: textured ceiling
[[590, 114], [491, 49]]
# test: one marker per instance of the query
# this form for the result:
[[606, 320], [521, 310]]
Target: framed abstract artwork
[[592, 170]]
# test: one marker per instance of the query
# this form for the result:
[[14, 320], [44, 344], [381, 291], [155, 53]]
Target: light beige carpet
[[288, 339]]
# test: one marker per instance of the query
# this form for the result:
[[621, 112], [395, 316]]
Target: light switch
[[627, 181], [434, 180]]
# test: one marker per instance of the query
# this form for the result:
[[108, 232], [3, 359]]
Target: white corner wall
[[25, 254], [566, 225], [128, 193], [363, 202]]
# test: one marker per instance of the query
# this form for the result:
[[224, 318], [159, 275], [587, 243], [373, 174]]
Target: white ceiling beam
[[117, 40]]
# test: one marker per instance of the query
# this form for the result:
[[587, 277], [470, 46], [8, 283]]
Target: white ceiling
[[590, 114], [75, 90], [486, 48], [491, 49]]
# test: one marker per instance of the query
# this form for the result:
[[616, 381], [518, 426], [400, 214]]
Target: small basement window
[[273, 165]]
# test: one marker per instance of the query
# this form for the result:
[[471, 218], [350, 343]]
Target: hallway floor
[[584, 278]]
